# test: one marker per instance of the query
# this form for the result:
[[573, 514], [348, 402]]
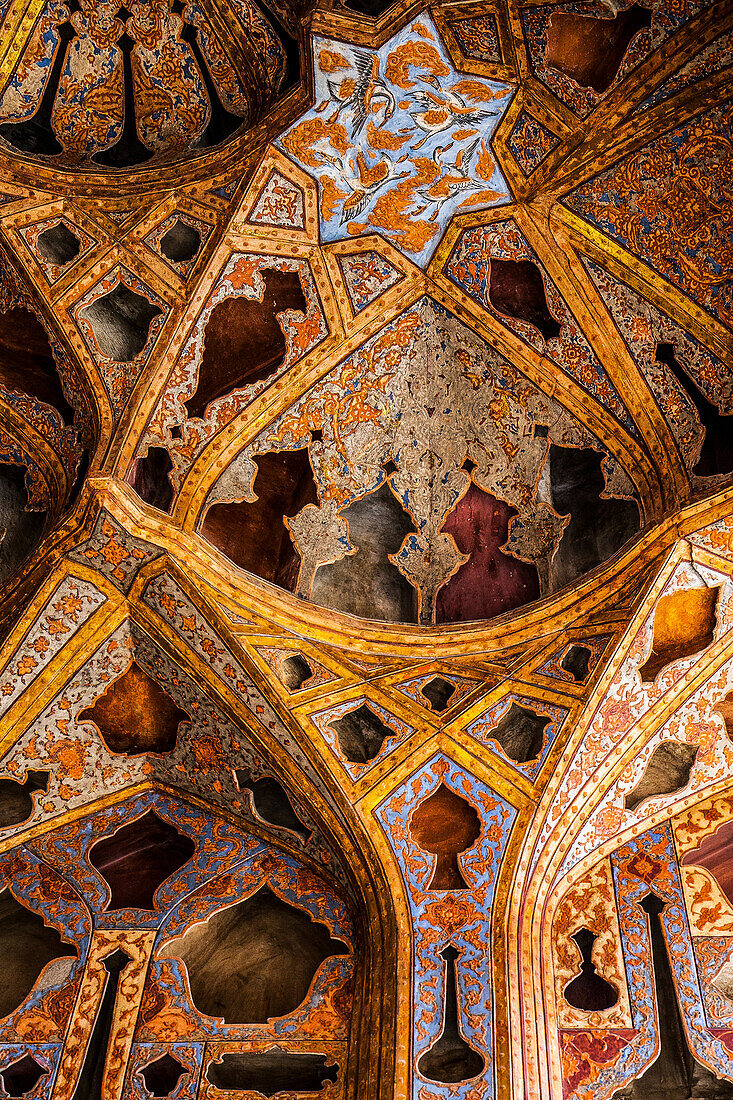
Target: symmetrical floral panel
[[366, 550]]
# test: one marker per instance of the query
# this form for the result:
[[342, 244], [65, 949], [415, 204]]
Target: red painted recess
[[490, 582]]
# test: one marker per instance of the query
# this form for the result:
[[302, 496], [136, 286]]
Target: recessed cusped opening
[[255, 960]]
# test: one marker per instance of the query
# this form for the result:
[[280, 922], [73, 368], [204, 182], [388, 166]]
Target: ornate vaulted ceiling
[[366, 384]]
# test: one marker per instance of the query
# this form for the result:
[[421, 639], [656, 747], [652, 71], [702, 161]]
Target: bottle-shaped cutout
[[675, 1074], [222, 122], [450, 1059], [446, 825], [91, 1076], [36, 134], [588, 991], [128, 150]]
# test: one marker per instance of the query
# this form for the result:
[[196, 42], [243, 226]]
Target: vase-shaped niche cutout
[[136, 859], [588, 991], [451, 1058], [446, 825]]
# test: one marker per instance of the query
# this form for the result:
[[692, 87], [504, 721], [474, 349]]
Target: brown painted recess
[[243, 340], [589, 49], [517, 289], [120, 322], [446, 825], [598, 525], [58, 244], [162, 1076], [253, 535], [361, 734], [272, 1072], [22, 1076], [272, 803], [254, 960], [521, 732], [149, 478], [715, 853], [684, 623], [21, 530], [134, 715], [667, 771]]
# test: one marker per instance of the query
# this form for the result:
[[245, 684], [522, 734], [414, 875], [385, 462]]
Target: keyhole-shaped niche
[[451, 1058], [446, 825], [588, 991]]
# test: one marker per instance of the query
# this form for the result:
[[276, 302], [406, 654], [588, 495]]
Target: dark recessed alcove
[[446, 825], [684, 624], [521, 733], [295, 670], [589, 991], [490, 582], [16, 801], [373, 8], [149, 478], [243, 340], [576, 662], [22, 1076], [271, 1072], [120, 321], [58, 244], [517, 289], [161, 1076], [668, 770], [254, 960], [134, 715], [253, 535], [438, 692], [590, 49], [716, 451], [27, 364], [674, 1072], [367, 583], [137, 858], [20, 531], [181, 243], [598, 526], [272, 803], [360, 734], [27, 945]]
